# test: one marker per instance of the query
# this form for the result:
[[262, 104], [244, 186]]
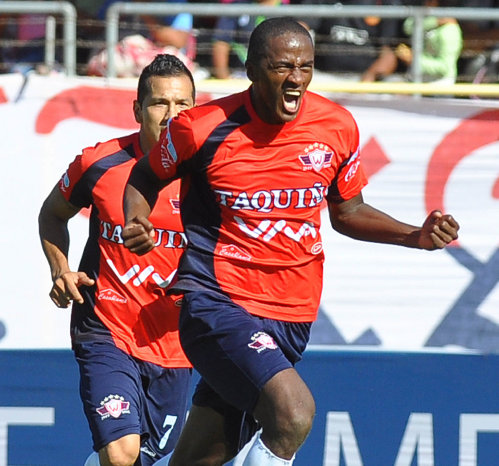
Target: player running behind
[[134, 375]]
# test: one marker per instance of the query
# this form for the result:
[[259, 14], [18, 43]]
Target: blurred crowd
[[366, 49]]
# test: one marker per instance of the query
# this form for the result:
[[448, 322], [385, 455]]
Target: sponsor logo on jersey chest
[[110, 295], [231, 250]]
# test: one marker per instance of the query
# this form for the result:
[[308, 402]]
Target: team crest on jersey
[[233, 251], [261, 341], [110, 295], [113, 406], [316, 157]]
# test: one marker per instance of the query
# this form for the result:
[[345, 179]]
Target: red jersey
[[128, 303], [251, 198]]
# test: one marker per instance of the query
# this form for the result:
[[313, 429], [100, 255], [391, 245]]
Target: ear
[[137, 111], [250, 71]]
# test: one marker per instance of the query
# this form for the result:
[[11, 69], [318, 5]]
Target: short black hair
[[165, 65], [268, 29]]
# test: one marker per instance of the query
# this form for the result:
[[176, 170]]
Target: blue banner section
[[373, 409], [402, 409], [42, 379]]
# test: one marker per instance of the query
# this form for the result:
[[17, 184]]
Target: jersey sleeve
[[350, 177], [175, 148], [72, 184]]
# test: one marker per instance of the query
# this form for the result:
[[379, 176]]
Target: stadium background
[[403, 359]]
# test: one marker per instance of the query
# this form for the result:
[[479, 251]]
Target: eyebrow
[[288, 63], [166, 99]]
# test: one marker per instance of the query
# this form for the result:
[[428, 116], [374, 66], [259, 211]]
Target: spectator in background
[[230, 40], [443, 42], [142, 37], [347, 45], [7, 31], [90, 30], [479, 61], [442, 47], [174, 31], [28, 53], [483, 32]]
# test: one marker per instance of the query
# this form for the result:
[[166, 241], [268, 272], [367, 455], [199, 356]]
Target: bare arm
[[138, 233], [360, 221], [141, 194], [384, 65], [165, 35], [54, 235]]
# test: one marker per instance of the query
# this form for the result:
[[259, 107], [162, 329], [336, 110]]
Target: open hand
[[65, 288]]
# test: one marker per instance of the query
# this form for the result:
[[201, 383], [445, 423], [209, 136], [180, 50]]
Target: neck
[[145, 147]]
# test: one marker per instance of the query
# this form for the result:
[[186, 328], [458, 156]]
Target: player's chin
[[286, 115]]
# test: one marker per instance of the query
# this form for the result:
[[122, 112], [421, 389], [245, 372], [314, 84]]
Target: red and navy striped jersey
[[251, 198], [128, 303]]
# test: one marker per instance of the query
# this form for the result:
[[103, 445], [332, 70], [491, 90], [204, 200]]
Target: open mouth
[[291, 100]]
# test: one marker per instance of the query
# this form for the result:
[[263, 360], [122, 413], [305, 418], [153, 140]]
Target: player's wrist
[[413, 240], [59, 274]]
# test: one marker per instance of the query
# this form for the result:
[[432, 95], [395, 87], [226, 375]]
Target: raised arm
[[141, 193], [54, 235], [360, 221]]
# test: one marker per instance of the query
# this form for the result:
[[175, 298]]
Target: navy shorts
[[235, 352], [123, 395]]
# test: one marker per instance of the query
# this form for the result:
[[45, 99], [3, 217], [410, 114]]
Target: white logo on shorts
[[113, 405], [261, 341]]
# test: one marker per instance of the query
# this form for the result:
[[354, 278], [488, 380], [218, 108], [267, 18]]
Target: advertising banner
[[373, 409], [419, 154]]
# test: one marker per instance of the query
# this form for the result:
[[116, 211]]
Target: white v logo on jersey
[[127, 275], [259, 230], [264, 228], [142, 275]]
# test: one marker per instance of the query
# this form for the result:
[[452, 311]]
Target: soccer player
[[256, 167], [134, 375]]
